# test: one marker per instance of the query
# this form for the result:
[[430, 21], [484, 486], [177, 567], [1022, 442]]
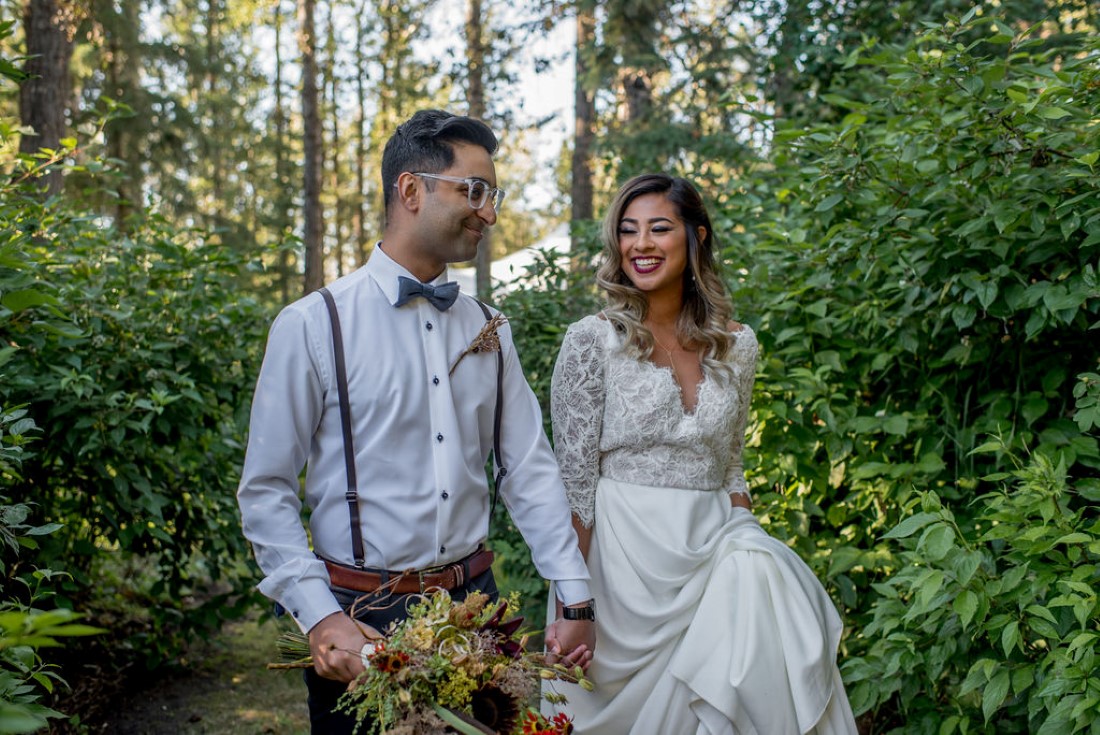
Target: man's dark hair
[[423, 143]]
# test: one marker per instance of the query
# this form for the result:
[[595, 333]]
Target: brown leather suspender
[[352, 494]]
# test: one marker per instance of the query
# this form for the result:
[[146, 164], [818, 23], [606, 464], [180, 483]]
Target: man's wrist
[[581, 611]]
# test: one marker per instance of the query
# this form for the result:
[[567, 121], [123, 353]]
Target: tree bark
[[359, 225], [43, 99], [475, 98], [314, 226], [282, 201], [584, 121], [332, 107]]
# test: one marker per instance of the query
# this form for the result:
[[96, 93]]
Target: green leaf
[[936, 541], [1052, 113], [994, 693], [897, 424], [1042, 612], [19, 300], [458, 722], [829, 202], [965, 605], [1074, 538], [1010, 637], [911, 525], [1022, 679]]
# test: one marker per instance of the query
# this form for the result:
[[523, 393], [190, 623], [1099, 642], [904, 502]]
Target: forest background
[[907, 199]]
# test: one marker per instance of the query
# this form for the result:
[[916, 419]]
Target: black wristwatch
[[587, 612]]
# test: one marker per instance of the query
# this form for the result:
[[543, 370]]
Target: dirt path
[[226, 691]]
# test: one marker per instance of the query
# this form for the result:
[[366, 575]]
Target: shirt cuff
[[309, 602], [572, 591]]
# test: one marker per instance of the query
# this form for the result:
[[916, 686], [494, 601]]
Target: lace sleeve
[[576, 409], [746, 354]]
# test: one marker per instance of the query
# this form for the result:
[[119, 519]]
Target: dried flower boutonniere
[[487, 340]]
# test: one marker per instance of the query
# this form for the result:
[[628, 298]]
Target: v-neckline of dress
[[685, 412]]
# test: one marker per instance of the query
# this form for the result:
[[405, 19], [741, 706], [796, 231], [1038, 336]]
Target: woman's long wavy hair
[[706, 309]]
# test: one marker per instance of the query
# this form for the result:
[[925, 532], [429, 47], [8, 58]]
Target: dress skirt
[[705, 624]]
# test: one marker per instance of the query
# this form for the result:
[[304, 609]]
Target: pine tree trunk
[[584, 121], [360, 217], [331, 107], [475, 97], [313, 215], [43, 99], [282, 200]]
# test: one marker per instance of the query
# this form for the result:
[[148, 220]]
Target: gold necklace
[[671, 362]]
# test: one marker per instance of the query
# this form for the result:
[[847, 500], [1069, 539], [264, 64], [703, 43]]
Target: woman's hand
[[740, 500]]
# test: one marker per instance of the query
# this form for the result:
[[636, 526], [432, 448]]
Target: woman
[[705, 624]]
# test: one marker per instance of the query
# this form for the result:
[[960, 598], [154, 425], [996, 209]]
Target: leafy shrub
[[991, 626], [540, 306], [135, 354], [922, 274], [25, 679]]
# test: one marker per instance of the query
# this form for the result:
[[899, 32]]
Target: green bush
[[991, 626], [551, 296], [922, 274], [135, 354], [25, 678]]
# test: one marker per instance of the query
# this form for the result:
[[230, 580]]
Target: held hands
[[740, 500], [335, 643], [571, 642]]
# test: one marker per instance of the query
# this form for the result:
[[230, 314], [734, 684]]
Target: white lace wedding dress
[[705, 624]]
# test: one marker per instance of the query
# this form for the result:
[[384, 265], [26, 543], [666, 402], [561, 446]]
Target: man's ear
[[409, 191]]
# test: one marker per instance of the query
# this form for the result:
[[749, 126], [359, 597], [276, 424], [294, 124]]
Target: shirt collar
[[384, 270]]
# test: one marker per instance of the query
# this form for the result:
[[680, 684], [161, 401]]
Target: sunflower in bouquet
[[457, 665]]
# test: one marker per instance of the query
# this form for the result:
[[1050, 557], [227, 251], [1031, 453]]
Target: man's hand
[[571, 642], [335, 643]]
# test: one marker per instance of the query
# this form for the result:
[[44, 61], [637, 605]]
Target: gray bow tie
[[441, 296]]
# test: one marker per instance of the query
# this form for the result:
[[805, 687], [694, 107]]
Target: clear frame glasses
[[478, 191]]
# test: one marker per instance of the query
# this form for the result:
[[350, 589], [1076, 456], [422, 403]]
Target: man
[[421, 421]]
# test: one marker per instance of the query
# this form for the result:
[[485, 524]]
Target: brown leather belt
[[447, 577]]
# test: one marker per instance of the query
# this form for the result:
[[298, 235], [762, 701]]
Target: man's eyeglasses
[[478, 191]]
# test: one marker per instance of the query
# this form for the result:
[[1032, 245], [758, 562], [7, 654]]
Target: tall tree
[[281, 196], [359, 197], [584, 117], [402, 80], [44, 97], [475, 98], [333, 154], [313, 216]]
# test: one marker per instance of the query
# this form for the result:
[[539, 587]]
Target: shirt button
[[435, 379], [442, 549], [439, 437], [445, 495], [428, 326]]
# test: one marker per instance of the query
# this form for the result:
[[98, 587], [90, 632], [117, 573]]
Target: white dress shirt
[[421, 437]]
